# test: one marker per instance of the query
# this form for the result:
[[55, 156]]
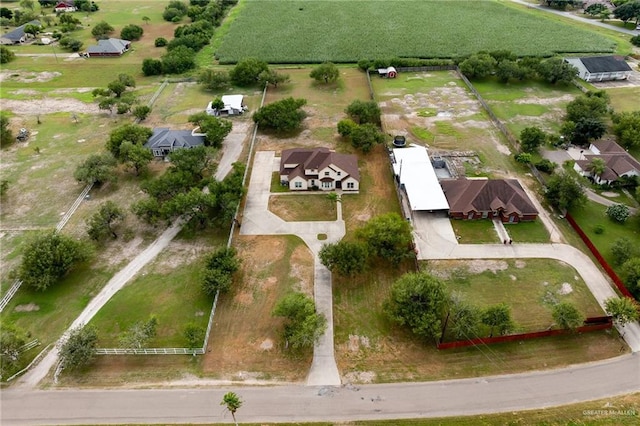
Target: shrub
[[160, 42], [523, 158], [131, 32], [618, 212], [6, 55], [345, 127], [364, 112], [598, 229], [545, 165], [151, 67], [635, 40]]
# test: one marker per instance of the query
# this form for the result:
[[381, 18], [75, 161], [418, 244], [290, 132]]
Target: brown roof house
[[319, 168], [487, 199], [617, 161]]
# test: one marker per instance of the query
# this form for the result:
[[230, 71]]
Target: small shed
[[389, 72]]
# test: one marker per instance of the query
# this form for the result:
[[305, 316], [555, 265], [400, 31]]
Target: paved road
[[570, 15], [299, 403], [258, 220]]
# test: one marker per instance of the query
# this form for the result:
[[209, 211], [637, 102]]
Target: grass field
[[530, 295], [475, 231], [624, 98], [346, 31], [304, 207], [528, 232]]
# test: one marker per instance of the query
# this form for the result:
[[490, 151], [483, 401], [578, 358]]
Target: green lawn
[[624, 98], [520, 284], [528, 232], [475, 231], [303, 207], [591, 215], [342, 31]]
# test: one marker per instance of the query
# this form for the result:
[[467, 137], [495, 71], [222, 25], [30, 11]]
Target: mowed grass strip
[[528, 232], [346, 31], [475, 231], [303, 207]]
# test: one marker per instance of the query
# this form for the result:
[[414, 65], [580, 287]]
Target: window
[[327, 184], [326, 173], [339, 173], [350, 185], [298, 184]]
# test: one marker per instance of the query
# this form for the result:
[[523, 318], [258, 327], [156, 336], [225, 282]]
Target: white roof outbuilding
[[412, 166]]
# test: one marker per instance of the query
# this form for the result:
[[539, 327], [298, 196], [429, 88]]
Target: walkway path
[[571, 15], [258, 220]]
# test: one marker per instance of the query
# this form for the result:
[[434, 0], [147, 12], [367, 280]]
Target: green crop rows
[[303, 31]]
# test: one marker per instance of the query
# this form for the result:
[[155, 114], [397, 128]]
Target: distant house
[[601, 68], [65, 6], [164, 141], [487, 199], [233, 105], [18, 35], [109, 47], [319, 168], [617, 161]]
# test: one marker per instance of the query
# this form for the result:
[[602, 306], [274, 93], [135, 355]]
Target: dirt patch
[[29, 307], [243, 298], [479, 266], [266, 345], [359, 377], [28, 76], [545, 101], [520, 264], [565, 289], [610, 194], [48, 106], [357, 342]]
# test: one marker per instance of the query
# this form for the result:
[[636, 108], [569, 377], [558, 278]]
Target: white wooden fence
[[149, 351]]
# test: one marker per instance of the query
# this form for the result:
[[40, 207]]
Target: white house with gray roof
[[164, 141], [601, 68]]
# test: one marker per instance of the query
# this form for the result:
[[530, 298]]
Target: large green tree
[[630, 274], [463, 319], [623, 249], [593, 105], [135, 156], [303, 325], [365, 136], [131, 32], [363, 112], [478, 66], [388, 236], [567, 316], [97, 169], [498, 318], [564, 191], [48, 257], [531, 138], [79, 348], [326, 73], [247, 71], [137, 135], [215, 129], [213, 79], [219, 269], [102, 30], [103, 222], [418, 301], [556, 70], [344, 257], [626, 126], [285, 115]]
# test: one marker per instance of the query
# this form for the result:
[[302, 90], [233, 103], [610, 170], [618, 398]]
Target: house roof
[[164, 138], [111, 45], [65, 3], [316, 159], [18, 33], [232, 101], [608, 146], [414, 170], [598, 64], [467, 195], [616, 164]]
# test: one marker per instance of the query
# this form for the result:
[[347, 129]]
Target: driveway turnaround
[[258, 220], [348, 403]]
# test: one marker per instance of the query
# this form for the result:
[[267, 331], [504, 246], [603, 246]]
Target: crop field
[[347, 31]]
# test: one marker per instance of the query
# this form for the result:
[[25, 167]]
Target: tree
[[622, 250], [366, 136], [216, 129], [232, 402], [597, 166], [102, 30], [628, 11], [346, 126], [564, 191], [104, 221], [531, 138], [117, 87], [194, 334], [219, 270], [70, 43], [137, 135], [141, 112], [344, 257], [464, 319], [6, 135], [192, 163], [510, 70], [27, 4], [80, 347], [146, 20], [160, 42], [478, 66], [131, 32], [587, 129], [135, 156], [6, 55], [325, 73], [498, 317], [630, 274], [247, 71], [626, 126], [567, 316], [595, 9], [556, 70], [139, 334], [303, 325], [418, 301], [4, 187], [594, 106], [97, 169], [47, 258], [623, 310], [635, 40], [12, 339], [285, 115], [32, 29], [363, 112], [272, 77], [5, 12], [214, 80], [151, 67], [524, 158], [618, 212], [178, 60], [389, 237]]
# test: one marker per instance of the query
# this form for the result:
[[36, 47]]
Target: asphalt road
[[302, 403]]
